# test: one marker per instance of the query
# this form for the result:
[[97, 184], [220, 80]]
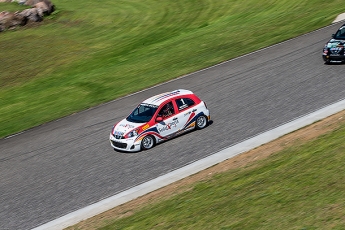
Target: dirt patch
[[308, 133]]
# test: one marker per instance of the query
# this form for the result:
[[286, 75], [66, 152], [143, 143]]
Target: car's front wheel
[[201, 122], [148, 142]]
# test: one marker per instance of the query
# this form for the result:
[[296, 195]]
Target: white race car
[[159, 118]]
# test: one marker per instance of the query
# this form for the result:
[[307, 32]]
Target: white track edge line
[[197, 166]]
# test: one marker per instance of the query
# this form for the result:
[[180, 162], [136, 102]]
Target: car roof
[[161, 98]]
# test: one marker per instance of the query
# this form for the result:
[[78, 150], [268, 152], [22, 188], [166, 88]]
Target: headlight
[[133, 133]]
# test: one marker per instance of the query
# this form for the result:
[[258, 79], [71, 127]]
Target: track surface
[[59, 167]]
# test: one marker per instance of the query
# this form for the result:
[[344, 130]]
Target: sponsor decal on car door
[[168, 127], [170, 123]]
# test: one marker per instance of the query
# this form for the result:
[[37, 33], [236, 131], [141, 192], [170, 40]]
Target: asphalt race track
[[54, 169]]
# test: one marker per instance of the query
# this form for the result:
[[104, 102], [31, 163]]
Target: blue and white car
[[333, 50]]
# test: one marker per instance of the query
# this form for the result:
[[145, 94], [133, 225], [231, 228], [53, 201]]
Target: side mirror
[[159, 119], [333, 35]]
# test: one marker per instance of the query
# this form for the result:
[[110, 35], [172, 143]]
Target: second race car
[[333, 50]]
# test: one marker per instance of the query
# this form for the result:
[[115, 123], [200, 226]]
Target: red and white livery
[[159, 118]]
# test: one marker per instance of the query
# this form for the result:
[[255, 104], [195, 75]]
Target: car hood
[[335, 43], [124, 126]]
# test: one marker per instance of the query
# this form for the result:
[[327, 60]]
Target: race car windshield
[[143, 113]]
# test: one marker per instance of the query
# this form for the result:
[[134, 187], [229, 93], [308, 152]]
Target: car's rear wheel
[[147, 142], [201, 122]]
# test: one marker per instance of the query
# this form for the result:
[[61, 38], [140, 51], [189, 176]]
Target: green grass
[[90, 52], [12, 7], [301, 187]]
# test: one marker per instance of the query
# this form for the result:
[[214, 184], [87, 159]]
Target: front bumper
[[127, 145], [333, 57]]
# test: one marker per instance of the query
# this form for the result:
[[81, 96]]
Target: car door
[[170, 123], [186, 112]]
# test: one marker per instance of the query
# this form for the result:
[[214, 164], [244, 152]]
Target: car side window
[[183, 103], [167, 110]]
